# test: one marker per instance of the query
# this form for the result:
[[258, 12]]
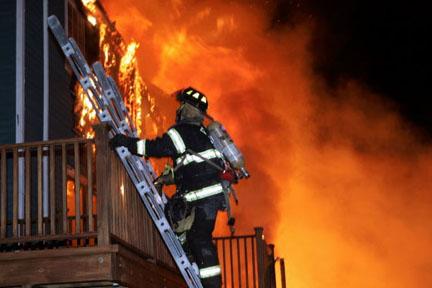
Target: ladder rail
[[108, 104]]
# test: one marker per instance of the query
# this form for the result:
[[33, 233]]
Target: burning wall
[[339, 181]]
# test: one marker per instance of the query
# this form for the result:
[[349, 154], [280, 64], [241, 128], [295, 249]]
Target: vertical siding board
[[61, 100], [7, 71], [33, 71], [3, 194]]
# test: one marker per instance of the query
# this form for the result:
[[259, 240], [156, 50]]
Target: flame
[[119, 61], [339, 181], [92, 20], [90, 5], [133, 85], [87, 115]]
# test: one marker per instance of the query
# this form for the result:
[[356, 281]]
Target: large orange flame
[[119, 60], [339, 182], [132, 84]]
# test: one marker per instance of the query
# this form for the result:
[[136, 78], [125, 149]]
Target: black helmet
[[193, 97]]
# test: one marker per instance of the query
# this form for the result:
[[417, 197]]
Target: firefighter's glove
[[122, 140]]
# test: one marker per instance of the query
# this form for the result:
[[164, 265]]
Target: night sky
[[380, 43]]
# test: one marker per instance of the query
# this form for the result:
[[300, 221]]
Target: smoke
[[339, 182]]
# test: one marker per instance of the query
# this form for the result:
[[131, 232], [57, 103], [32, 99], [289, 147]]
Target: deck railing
[[248, 261], [76, 193], [72, 193], [46, 192]]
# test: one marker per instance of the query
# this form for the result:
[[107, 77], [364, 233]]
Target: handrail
[[46, 143]]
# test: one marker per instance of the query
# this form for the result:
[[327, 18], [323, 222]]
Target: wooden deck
[[70, 214], [70, 217]]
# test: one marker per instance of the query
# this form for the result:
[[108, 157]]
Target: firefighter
[[197, 166]]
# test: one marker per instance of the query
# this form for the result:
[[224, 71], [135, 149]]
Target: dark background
[[383, 44]]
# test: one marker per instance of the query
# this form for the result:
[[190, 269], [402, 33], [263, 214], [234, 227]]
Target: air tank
[[224, 143]]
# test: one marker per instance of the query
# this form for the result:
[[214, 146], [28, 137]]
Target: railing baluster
[[3, 194], [253, 262], [27, 192], [261, 254], [270, 272], [224, 262], [232, 262], [64, 190], [15, 193], [39, 190], [282, 272], [246, 261], [77, 188], [89, 187], [239, 262], [52, 190]]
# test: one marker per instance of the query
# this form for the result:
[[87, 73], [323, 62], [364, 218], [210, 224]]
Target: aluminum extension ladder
[[106, 100]]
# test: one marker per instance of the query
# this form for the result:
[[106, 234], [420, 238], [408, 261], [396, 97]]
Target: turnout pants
[[200, 243]]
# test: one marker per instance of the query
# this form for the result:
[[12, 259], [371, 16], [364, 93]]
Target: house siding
[[61, 99], [7, 70], [34, 71]]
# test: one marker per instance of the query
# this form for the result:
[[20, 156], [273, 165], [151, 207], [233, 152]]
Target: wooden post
[[270, 268], [103, 174], [261, 255], [282, 272]]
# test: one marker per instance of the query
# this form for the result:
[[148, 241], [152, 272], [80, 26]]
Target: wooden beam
[[48, 238], [56, 266], [113, 263]]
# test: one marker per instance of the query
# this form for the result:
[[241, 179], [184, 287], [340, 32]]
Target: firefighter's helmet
[[193, 97]]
